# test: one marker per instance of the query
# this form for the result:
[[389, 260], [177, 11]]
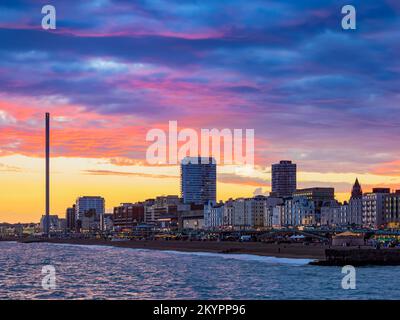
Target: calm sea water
[[95, 272]]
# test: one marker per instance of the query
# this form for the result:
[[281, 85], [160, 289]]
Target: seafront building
[[238, 214], [191, 217], [249, 213], [318, 195], [373, 210], [214, 215], [241, 214], [299, 211], [149, 216], [128, 215], [391, 210], [380, 208], [354, 212], [333, 215], [372, 206], [258, 209], [277, 221], [241, 219], [56, 224], [284, 179], [70, 217], [270, 204], [162, 211], [198, 180], [349, 213], [89, 210], [228, 214], [308, 207], [353, 209], [8, 230], [107, 222], [197, 209]]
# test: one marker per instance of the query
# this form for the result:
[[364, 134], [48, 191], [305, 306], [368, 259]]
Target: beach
[[300, 251], [320, 254]]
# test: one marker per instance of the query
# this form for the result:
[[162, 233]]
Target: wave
[[246, 257], [91, 246], [233, 256]]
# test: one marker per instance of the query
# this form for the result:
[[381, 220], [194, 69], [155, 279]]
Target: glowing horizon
[[119, 184]]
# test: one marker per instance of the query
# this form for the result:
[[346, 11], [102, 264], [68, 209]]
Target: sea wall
[[360, 257]]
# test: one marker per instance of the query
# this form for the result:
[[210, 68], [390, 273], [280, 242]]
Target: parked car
[[245, 238]]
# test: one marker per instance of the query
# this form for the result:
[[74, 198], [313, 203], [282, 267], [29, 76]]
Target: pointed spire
[[356, 192]]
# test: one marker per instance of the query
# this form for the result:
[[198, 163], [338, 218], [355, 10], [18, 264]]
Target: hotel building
[[198, 180], [372, 207], [283, 178]]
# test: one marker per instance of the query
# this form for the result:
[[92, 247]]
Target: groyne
[[360, 257]]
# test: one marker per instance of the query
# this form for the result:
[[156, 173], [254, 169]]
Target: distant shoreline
[[299, 251]]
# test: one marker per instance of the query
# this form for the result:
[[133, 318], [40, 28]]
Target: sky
[[323, 97]]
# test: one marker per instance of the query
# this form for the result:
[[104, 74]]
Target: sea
[[102, 272]]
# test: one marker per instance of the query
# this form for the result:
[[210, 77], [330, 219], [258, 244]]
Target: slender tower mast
[[47, 224]]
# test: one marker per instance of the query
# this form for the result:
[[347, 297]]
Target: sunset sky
[[324, 97]]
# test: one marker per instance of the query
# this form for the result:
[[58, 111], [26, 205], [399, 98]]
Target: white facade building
[[372, 210], [354, 212], [213, 215], [241, 218], [277, 216], [273, 212], [298, 211], [228, 214], [248, 213], [331, 216]]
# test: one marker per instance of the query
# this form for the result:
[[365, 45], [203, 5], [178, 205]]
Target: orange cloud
[[245, 181], [388, 169], [121, 173]]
